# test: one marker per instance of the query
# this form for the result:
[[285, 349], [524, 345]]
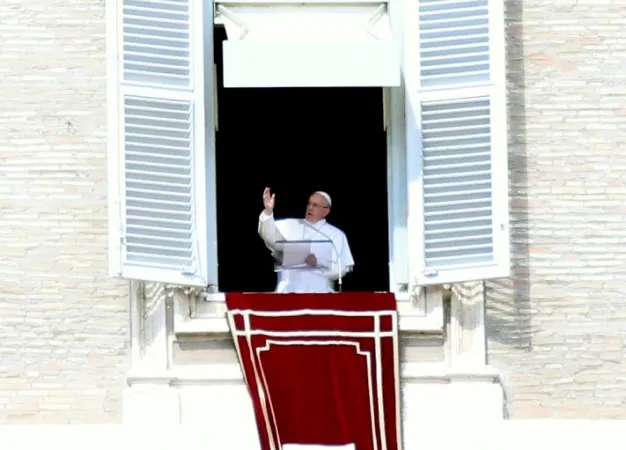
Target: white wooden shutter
[[160, 199], [457, 141]]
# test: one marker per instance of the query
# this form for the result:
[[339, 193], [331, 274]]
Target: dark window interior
[[297, 141]]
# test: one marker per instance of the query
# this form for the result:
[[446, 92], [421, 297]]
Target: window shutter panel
[[458, 145], [161, 143]]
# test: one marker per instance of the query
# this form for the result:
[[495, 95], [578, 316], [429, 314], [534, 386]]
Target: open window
[[447, 164]]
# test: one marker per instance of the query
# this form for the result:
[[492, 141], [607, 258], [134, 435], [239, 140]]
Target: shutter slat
[[186, 195], [444, 51], [452, 113], [156, 14], [474, 156], [172, 3], [482, 173], [161, 238], [175, 205], [159, 156], [163, 58], [156, 256], [428, 167], [430, 5], [454, 205], [133, 220], [140, 49], [460, 247], [145, 173], [448, 148], [486, 237], [461, 131], [166, 32], [145, 66], [436, 226], [434, 44], [459, 9], [163, 151], [151, 165], [463, 57], [159, 230], [461, 230], [452, 139], [135, 245], [471, 194], [469, 185], [149, 139], [164, 77], [160, 120], [460, 215], [452, 31], [156, 185]]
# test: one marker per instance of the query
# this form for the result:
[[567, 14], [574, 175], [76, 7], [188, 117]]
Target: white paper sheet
[[294, 254]]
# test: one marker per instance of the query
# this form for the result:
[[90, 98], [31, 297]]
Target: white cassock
[[303, 281]]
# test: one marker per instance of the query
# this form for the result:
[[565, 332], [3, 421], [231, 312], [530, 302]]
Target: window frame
[[420, 309]]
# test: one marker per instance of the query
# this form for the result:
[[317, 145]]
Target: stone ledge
[[212, 374], [208, 315], [217, 323]]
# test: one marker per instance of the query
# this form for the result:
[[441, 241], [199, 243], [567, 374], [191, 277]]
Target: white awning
[[310, 45]]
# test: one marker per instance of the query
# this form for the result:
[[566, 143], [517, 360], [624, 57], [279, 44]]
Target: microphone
[[339, 280]]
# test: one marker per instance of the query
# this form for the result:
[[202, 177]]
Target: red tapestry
[[322, 369]]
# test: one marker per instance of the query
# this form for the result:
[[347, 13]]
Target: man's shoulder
[[288, 220], [335, 229]]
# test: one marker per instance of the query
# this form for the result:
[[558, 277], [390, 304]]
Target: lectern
[[322, 369], [290, 257]]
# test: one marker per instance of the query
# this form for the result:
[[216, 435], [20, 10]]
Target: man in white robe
[[331, 263]]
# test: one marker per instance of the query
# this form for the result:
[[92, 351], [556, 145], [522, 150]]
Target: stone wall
[[63, 321], [557, 328]]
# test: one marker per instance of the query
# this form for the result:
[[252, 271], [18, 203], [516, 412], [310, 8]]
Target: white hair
[[326, 196]]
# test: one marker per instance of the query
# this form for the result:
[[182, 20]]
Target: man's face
[[317, 208]]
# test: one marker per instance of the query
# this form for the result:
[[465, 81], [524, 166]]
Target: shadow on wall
[[507, 301]]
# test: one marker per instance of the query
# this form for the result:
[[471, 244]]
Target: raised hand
[[268, 201]]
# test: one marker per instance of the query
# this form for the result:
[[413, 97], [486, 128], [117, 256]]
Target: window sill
[[209, 316], [220, 373]]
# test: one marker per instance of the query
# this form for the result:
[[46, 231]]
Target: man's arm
[[267, 226], [269, 231]]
